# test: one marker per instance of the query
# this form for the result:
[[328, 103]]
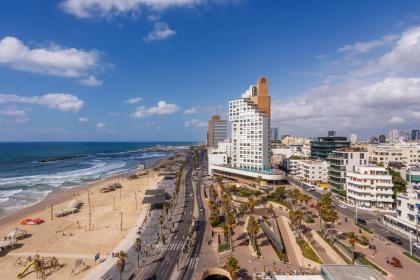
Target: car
[[394, 239], [343, 206], [361, 221], [191, 194], [201, 209], [416, 245]]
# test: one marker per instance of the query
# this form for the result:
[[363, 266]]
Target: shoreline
[[56, 197]]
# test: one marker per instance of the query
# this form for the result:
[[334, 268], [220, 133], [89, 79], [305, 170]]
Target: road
[[162, 265], [191, 266], [371, 220]]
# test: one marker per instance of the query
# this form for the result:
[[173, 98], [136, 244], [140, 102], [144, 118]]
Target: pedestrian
[[387, 260], [112, 254]]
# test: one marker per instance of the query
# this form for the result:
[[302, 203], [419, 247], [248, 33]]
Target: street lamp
[[137, 246]]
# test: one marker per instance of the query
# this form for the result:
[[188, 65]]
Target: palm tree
[[137, 246], [270, 210], [161, 220], [122, 256], [296, 217], [352, 238], [232, 266], [251, 204], [253, 227]]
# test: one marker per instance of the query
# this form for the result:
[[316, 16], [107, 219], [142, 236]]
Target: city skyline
[[86, 71]]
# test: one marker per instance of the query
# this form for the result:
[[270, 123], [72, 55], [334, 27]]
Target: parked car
[[416, 245], [343, 206], [361, 221], [394, 239]]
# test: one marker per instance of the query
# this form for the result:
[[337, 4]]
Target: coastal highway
[[162, 265], [189, 269]]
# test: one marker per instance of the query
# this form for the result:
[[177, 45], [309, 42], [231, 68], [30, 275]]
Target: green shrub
[[223, 247], [412, 256]]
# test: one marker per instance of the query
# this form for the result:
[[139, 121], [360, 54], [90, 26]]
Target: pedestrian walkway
[[174, 246]]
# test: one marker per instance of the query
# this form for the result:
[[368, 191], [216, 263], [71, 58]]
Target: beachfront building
[[250, 153], [406, 218], [342, 161], [370, 188], [217, 131], [314, 171], [322, 147], [407, 154]]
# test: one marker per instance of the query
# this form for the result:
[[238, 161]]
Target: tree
[[161, 220], [352, 238], [326, 209], [270, 210], [242, 208], [296, 217], [122, 256], [137, 246], [251, 205], [280, 194], [258, 179], [232, 266], [253, 227]]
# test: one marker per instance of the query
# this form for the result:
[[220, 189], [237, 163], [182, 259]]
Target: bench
[[395, 262]]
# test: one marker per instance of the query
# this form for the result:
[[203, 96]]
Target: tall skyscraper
[[274, 134], [382, 138], [332, 133], [217, 131], [394, 135], [415, 135], [250, 120]]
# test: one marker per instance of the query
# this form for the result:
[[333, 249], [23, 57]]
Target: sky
[[156, 70]]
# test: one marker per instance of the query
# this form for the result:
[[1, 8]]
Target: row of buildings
[[246, 148]]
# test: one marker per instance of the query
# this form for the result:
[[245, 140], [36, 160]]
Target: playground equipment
[[41, 265]]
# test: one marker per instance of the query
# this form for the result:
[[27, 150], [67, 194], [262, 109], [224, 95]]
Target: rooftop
[[349, 272]]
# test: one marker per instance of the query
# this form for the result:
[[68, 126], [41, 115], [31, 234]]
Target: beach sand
[[68, 238]]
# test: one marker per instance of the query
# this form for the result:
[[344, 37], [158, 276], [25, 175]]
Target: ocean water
[[29, 171]]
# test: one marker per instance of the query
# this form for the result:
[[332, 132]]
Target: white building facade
[[405, 153], [370, 188], [250, 136]]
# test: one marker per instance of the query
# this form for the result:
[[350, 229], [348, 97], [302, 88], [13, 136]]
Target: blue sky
[[157, 69]]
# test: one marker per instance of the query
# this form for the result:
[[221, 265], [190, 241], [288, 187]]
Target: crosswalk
[[175, 246], [192, 263]]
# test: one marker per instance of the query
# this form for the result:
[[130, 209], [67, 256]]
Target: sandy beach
[[68, 238]]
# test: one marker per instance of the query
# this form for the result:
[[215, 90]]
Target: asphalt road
[[162, 265], [192, 263], [370, 218]]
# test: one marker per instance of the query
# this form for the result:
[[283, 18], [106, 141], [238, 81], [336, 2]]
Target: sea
[[31, 170]]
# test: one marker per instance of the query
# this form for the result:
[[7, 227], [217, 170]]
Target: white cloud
[[12, 112], [100, 125], [353, 104], [90, 81], [396, 119], [134, 100], [363, 47], [247, 93], [61, 101], [196, 123], [53, 60], [161, 31], [102, 8], [162, 108], [403, 58], [83, 120], [191, 111]]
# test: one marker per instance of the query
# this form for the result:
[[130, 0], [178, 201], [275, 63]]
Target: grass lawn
[[308, 252]]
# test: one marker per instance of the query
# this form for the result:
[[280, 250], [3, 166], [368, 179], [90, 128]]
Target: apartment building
[[342, 161], [405, 153], [314, 171], [217, 131], [322, 147], [370, 188]]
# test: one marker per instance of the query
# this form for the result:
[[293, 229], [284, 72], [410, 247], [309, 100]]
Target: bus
[[308, 187]]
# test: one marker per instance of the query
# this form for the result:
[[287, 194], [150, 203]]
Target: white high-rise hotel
[[250, 128], [248, 156]]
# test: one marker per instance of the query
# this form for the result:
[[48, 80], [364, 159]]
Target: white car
[[343, 206], [416, 245]]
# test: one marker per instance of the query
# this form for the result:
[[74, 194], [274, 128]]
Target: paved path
[[57, 255]]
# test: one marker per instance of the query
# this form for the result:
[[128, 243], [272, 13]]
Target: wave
[[95, 171]]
